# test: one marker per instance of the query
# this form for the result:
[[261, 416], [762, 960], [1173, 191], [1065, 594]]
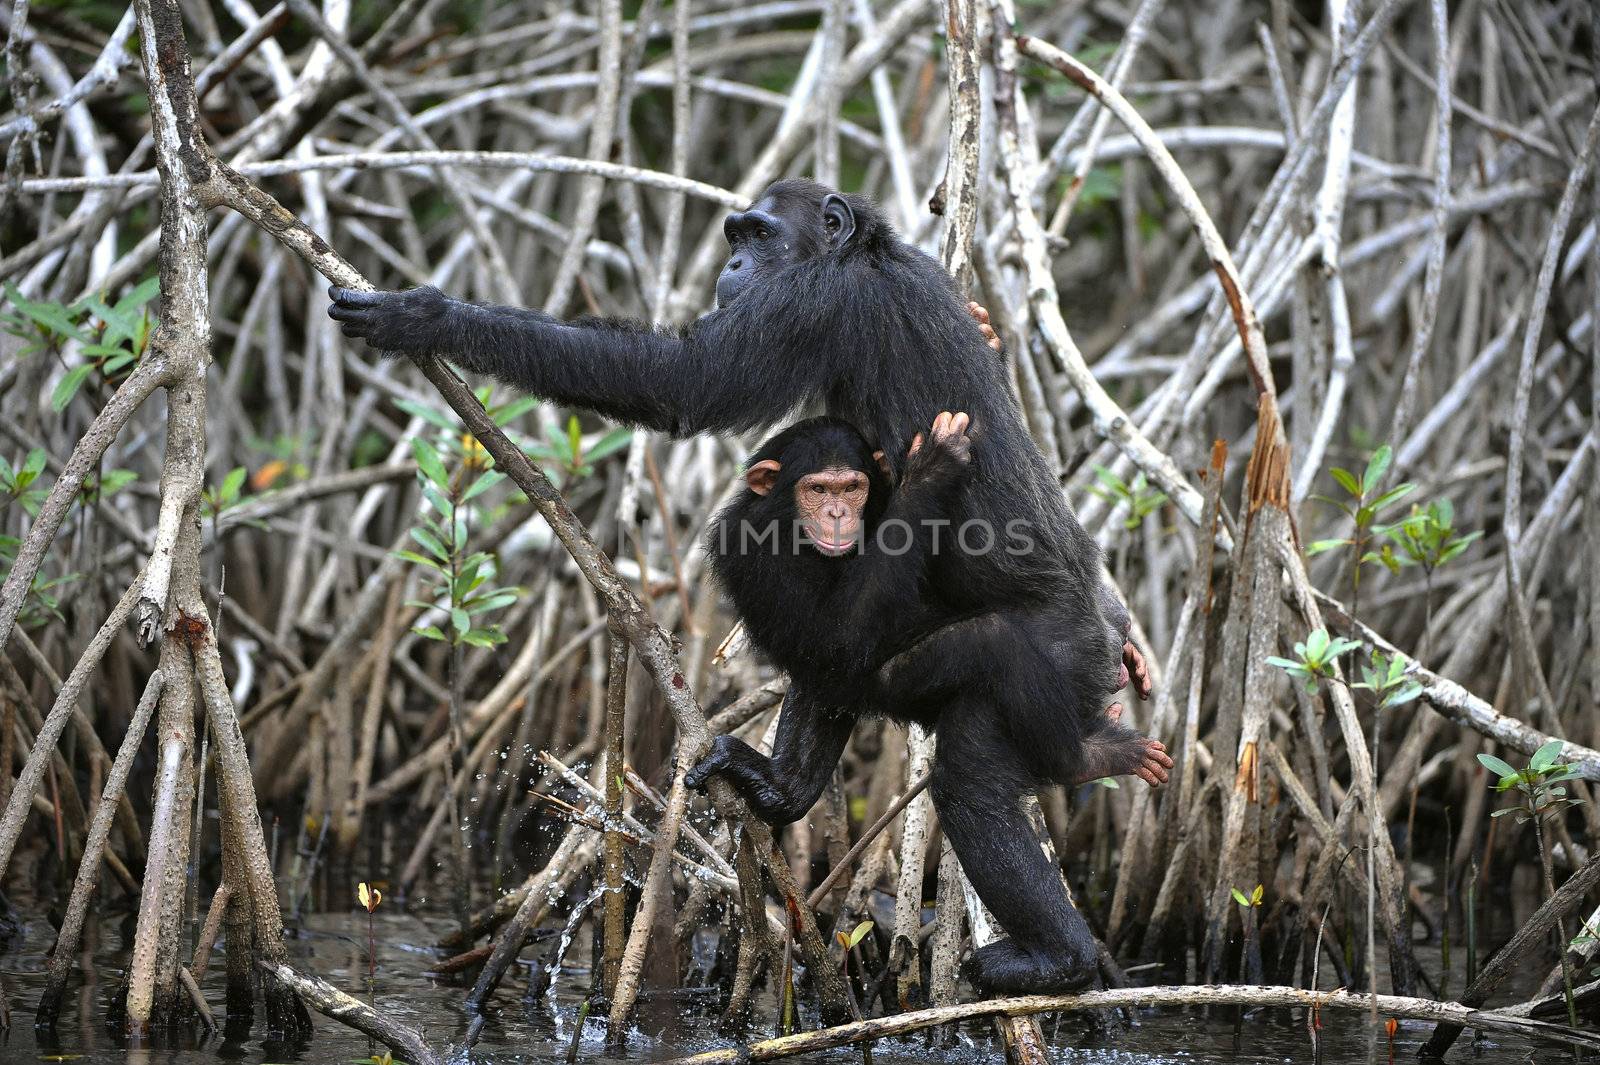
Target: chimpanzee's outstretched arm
[[810, 740], [724, 374]]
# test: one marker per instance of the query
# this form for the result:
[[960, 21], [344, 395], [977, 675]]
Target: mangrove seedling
[[1314, 657], [1541, 794], [1362, 506]]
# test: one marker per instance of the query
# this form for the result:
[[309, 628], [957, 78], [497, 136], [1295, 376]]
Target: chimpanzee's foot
[[1007, 966], [1117, 752]]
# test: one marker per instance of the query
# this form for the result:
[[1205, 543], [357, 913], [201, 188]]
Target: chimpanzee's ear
[[883, 464], [762, 476], [838, 220]]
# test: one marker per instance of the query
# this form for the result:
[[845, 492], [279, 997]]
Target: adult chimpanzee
[[820, 299], [827, 569]]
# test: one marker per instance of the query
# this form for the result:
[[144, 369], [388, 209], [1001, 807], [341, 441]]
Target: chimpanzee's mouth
[[830, 547]]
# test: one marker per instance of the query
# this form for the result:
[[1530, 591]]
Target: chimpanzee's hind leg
[[979, 778], [1114, 750]]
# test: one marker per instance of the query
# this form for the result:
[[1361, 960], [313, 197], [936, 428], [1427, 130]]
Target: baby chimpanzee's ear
[[883, 464], [762, 476]]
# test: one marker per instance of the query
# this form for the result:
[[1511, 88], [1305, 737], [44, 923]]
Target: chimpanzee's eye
[[761, 233], [816, 490]]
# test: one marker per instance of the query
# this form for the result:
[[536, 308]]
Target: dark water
[[334, 946]]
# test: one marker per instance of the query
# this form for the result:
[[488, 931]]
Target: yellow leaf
[[267, 474]]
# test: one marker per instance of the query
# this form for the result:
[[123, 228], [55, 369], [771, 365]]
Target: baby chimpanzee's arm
[[891, 569], [810, 739]]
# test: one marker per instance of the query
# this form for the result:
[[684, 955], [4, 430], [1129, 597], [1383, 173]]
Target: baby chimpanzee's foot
[[1006, 966]]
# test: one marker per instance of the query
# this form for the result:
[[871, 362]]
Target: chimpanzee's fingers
[[1138, 670], [340, 313], [916, 445], [1114, 712], [1147, 776], [978, 311], [959, 422], [696, 778], [354, 297]]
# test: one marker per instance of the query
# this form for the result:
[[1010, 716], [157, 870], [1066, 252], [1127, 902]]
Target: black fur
[[863, 632], [853, 316]]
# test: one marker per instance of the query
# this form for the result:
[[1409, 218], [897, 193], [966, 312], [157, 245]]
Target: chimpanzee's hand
[[719, 758], [981, 316], [947, 452], [1134, 669], [406, 323]]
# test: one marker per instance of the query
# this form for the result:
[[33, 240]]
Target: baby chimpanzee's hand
[[406, 323], [948, 451], [949, 440]]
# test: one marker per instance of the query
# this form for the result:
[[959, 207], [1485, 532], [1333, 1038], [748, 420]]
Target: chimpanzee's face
[[830, 504], [761, 241]]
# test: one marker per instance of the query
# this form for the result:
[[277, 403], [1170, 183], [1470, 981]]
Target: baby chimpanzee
[[827, 567]]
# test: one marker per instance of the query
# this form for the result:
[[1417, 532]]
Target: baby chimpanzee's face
[[831, 503]]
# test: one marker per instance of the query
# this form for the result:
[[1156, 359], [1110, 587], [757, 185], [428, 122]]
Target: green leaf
[[116, 480], [503, 598], [1408, 692], [460, 621], [1340, 646], [513, 410], [1497, 766], [1240, 897], [232, 483], [485, 481], [33, 465], [858, 933], [430, 632], [430, 542], [1545, 756], [430, 464], [1377, 466], [437, 499], [428, 414], [1285, 663], [1393, 494], [412, 556], [610, 443], [54, 318], [1347, 481], [574, 438], [484, 637], [68, 386], [1112, 482], [140, 294]]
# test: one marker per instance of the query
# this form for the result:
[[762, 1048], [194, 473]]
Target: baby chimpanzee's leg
[[1117, 751], [978, 779]]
